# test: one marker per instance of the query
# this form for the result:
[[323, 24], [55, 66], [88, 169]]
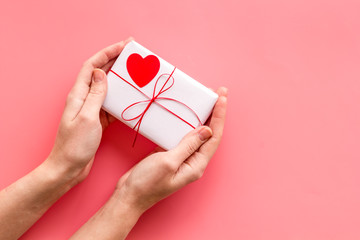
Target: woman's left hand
[[83, 120]]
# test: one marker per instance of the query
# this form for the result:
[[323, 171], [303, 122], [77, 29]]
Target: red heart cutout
[[142, 70]]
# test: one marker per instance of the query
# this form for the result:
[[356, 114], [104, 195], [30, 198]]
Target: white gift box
[[158, 100]]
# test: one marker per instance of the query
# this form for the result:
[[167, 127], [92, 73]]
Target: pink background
[[288, 166]]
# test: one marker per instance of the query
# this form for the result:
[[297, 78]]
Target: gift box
[[155, 98]]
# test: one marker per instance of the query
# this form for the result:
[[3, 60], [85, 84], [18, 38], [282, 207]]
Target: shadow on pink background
[[288, 166]]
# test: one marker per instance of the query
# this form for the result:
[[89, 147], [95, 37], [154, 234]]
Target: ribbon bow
[[154, 99]]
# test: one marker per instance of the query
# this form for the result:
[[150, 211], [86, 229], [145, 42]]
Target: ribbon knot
[[154, 99]]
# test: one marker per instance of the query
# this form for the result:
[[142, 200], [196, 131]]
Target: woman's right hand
[[164, 172]]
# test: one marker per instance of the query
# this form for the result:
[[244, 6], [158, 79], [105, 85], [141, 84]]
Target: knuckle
[[84, 118], [87, 63], [168, 165], [196, 175], [66, 125], [191, 148], [96, 90], [70, 98], [74, 97]]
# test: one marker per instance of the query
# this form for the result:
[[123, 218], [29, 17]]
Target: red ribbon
[[153, 99]]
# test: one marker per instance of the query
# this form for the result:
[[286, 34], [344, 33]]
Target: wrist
[[113, 221], [125, 202], [58, 173]]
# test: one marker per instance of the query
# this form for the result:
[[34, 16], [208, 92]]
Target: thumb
[[96, 95], [191, 143]]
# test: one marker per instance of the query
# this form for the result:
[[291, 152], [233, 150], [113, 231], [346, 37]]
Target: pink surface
[[288, 166]]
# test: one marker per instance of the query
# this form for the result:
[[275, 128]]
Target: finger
[[108, 66], [219, 112], [96, 96], [106, 118], [216, 124], [194, 167], [110, 117], [101, 58], [190, 144], [222, 91], [80, 90]]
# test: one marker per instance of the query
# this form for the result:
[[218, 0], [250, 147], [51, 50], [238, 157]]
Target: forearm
[[26, 200], [113, 221]]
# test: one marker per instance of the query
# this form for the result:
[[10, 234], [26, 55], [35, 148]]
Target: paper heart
[[142, 70]]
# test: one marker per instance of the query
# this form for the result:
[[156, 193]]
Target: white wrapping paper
[[158, 124]]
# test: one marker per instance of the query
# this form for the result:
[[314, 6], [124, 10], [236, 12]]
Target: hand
[[162, 173], [83, 120]]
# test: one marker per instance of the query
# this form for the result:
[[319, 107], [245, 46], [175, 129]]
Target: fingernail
[[98, 76], [205, 133]]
